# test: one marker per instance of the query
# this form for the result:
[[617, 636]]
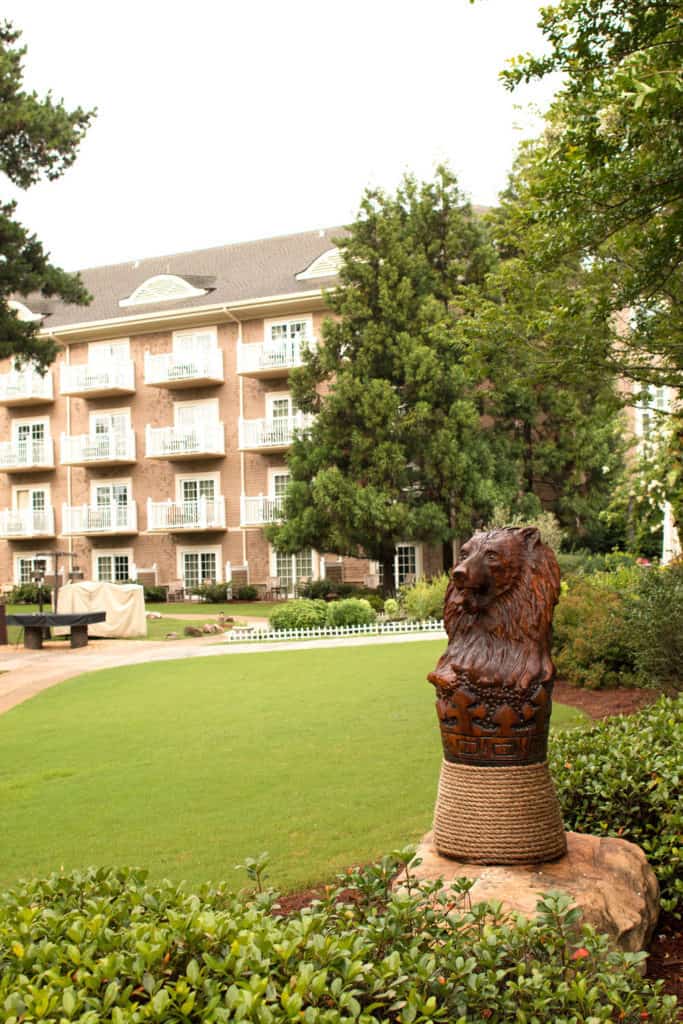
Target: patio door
[[31, 506], [30, 441], [111, 501], [109, 431]]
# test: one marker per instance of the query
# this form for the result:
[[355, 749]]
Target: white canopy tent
[[124, 604]]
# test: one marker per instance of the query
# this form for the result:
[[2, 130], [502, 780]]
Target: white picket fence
[[240, 634]]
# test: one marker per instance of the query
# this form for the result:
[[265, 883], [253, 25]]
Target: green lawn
[[263, 609], [323, 757]]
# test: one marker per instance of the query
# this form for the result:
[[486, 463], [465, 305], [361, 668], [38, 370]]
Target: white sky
[[221, 121]]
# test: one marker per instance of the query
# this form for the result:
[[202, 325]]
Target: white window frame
[[24, 556], [274, 471], [271, 322], [204, 402], [274, 396], [180, 479], [376, 567], [112, 553], [31, 488], [30, 420], [211, 334], [315, 563], [95, 414], [126, 482], [121, 348], [199, 549]]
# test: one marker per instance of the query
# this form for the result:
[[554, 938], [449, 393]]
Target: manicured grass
[[262, 609], [322, 757]]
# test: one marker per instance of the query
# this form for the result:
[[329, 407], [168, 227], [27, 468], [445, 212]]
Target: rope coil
[[498, 815]]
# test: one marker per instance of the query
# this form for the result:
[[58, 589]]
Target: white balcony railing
[[27, 522], [167, 369], [259, 511], [202, 514], [114, 446], [109, 518], [269, 433], [25, 387], [98, 378], [272, 358], [27, 453], [185, 442]]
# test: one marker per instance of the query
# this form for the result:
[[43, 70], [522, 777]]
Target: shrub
[[155, 595], [424, 600], [30, 593], [327, 589], [300, 614], [354, 611], [109, 946], [622, 777], [545, 522], [391, 608], [247, 593], [214, 593], [591, 647], [654, 624], [587, 562]]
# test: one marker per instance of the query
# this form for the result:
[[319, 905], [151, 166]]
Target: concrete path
[[23, 673]]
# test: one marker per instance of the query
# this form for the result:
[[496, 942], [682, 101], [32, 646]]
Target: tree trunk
[[529, 456], [447, 555], [388, 578]]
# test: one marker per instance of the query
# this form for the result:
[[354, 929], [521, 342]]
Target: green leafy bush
[[300, 614], [327, 589], [545, 522], [425, 598], [108, 946], [587, 562], [622, 777], [247, 593], [155, 595], [29, 593], [214, 593], [354, 611], [391, 608], [654, 624], [591, 647]]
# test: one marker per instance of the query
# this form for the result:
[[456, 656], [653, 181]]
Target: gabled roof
[[231, 273]]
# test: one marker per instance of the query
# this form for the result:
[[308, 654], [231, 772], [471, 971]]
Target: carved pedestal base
[[501, 815]]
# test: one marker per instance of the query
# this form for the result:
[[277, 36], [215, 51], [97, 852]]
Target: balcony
[[26, 387], [115, 448], [98, 380], [205, 440], [99, 519], [185, 516], [260, 511], [27, 455], [22, 524], [271, 435], [171, 370], [272, 358]]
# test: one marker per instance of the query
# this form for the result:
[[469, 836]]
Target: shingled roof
[[231, 273]]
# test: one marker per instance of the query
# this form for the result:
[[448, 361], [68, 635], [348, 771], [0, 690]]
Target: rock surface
[[610, 879]]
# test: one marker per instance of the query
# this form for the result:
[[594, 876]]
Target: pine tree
[[38, 137], [396, 451]]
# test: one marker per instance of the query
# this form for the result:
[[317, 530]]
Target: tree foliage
[[39, 138], [607, 182], [396, 451]]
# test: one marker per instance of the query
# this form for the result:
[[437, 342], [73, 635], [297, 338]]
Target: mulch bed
[[666, 948]]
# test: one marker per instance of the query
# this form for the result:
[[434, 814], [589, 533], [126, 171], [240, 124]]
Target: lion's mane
[[507, 643]]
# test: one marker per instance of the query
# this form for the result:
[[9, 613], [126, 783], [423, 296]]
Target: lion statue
[[498, 612]]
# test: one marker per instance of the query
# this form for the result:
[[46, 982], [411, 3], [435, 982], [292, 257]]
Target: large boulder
[[609, 879]]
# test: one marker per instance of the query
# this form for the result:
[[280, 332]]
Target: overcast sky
[[223, 121]]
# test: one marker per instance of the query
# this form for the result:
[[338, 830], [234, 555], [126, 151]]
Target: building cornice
[[219, 312]]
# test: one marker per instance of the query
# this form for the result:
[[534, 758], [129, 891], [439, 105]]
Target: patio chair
[[275, 588], [301, 584], [371, 582], [175, 591]]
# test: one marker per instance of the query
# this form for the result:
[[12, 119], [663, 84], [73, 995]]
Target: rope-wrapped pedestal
[[506, 814]]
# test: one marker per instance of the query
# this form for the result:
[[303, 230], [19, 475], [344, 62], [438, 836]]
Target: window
[[280, 331], [32, 503], [113, 568], [198, 567], [278, 483], [406, 563], [107, 352], [29, 565], [110, 422], [190, 415], [189, 343], [112, 502], [292, 568], [162, 288], [193, 490], [279, 407]]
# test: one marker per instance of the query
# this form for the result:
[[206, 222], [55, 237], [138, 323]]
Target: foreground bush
[[591, 646], [107, 946], [655, 626], [425, 598], [213, 593], [354, 611], [29, 593], [623, 777], [301, 614], [155, 595]]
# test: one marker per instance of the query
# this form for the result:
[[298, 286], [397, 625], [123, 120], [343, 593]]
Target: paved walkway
[[26, 673]]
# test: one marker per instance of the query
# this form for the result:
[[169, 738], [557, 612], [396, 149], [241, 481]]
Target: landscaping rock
[[192, 631], [153, 615], [172, 636], [610, 879]]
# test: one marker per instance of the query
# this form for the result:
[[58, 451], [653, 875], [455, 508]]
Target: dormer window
[[23, 313], [162, 288], [326, 265]]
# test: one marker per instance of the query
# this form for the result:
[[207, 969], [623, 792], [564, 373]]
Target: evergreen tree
[[396, 451], [38, 137]]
